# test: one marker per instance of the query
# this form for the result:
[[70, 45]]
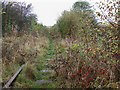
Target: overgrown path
[[37, 72], [45, 80]]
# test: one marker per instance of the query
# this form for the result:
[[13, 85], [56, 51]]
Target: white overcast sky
[[48, 11]]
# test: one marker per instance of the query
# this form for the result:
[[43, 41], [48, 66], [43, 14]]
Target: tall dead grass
[[19, 50]]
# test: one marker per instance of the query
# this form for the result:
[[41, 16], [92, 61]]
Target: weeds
[[73, 70], [19, 50]]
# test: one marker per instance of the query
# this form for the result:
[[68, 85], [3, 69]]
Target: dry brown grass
[[29, 71], [19, 50]]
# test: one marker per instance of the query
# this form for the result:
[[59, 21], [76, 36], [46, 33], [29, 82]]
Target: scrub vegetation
[[82, 48]]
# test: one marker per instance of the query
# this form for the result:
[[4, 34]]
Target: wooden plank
[[13, 78]]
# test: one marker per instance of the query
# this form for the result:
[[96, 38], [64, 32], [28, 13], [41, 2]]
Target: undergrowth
[[21, 50]]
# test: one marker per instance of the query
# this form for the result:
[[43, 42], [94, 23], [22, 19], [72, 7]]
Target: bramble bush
[[73, 71]]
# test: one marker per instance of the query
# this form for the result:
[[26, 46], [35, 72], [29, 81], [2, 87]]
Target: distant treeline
[[18, 17]]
